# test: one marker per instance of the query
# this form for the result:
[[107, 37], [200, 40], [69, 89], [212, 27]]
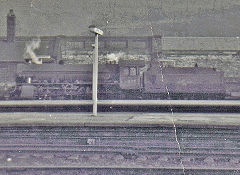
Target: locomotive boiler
[[56, 81]]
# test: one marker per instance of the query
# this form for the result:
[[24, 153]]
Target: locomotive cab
[[130, 75]]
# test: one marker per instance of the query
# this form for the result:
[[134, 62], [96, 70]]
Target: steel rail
[[11, 146], [166, 151], [116, 167], [116, 170]]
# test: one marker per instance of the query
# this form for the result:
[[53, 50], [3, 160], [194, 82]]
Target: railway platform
[[76, 118], [120, 119]]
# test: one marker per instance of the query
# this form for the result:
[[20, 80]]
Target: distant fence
[[200, 45], [146, 45]]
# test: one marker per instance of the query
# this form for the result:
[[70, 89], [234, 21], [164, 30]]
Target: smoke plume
[[30, 47], [115, 56]]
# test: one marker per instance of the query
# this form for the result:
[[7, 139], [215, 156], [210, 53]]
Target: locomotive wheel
[[12, 89], [43, 93], [81, 90], [47, 95], [13, 92], [67, 89], [88, 90]]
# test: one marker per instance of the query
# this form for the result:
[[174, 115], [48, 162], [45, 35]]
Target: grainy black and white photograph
[[119, 87]]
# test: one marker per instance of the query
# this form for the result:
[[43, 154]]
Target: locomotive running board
[[186, 103]]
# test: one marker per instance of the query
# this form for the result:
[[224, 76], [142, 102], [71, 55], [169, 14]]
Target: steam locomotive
[[128, 79]]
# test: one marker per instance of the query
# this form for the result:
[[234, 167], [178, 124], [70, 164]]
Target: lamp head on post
[[95, 30]]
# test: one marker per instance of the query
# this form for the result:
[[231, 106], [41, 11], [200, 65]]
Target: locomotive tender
[[129, 79]]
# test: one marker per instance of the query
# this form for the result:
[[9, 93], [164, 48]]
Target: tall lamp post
[[97, 32]]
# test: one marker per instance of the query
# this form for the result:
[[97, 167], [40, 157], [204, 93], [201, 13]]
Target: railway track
[[119, 150], [115, 170]]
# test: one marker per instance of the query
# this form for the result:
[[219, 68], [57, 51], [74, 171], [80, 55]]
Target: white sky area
[[125, 17]]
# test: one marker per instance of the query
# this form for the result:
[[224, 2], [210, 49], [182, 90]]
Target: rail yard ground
[[119, 143]]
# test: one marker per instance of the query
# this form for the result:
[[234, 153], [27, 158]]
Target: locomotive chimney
[[11, 24]]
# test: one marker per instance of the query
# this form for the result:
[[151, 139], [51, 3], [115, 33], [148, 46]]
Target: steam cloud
[[115, 56], [30, 47]]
